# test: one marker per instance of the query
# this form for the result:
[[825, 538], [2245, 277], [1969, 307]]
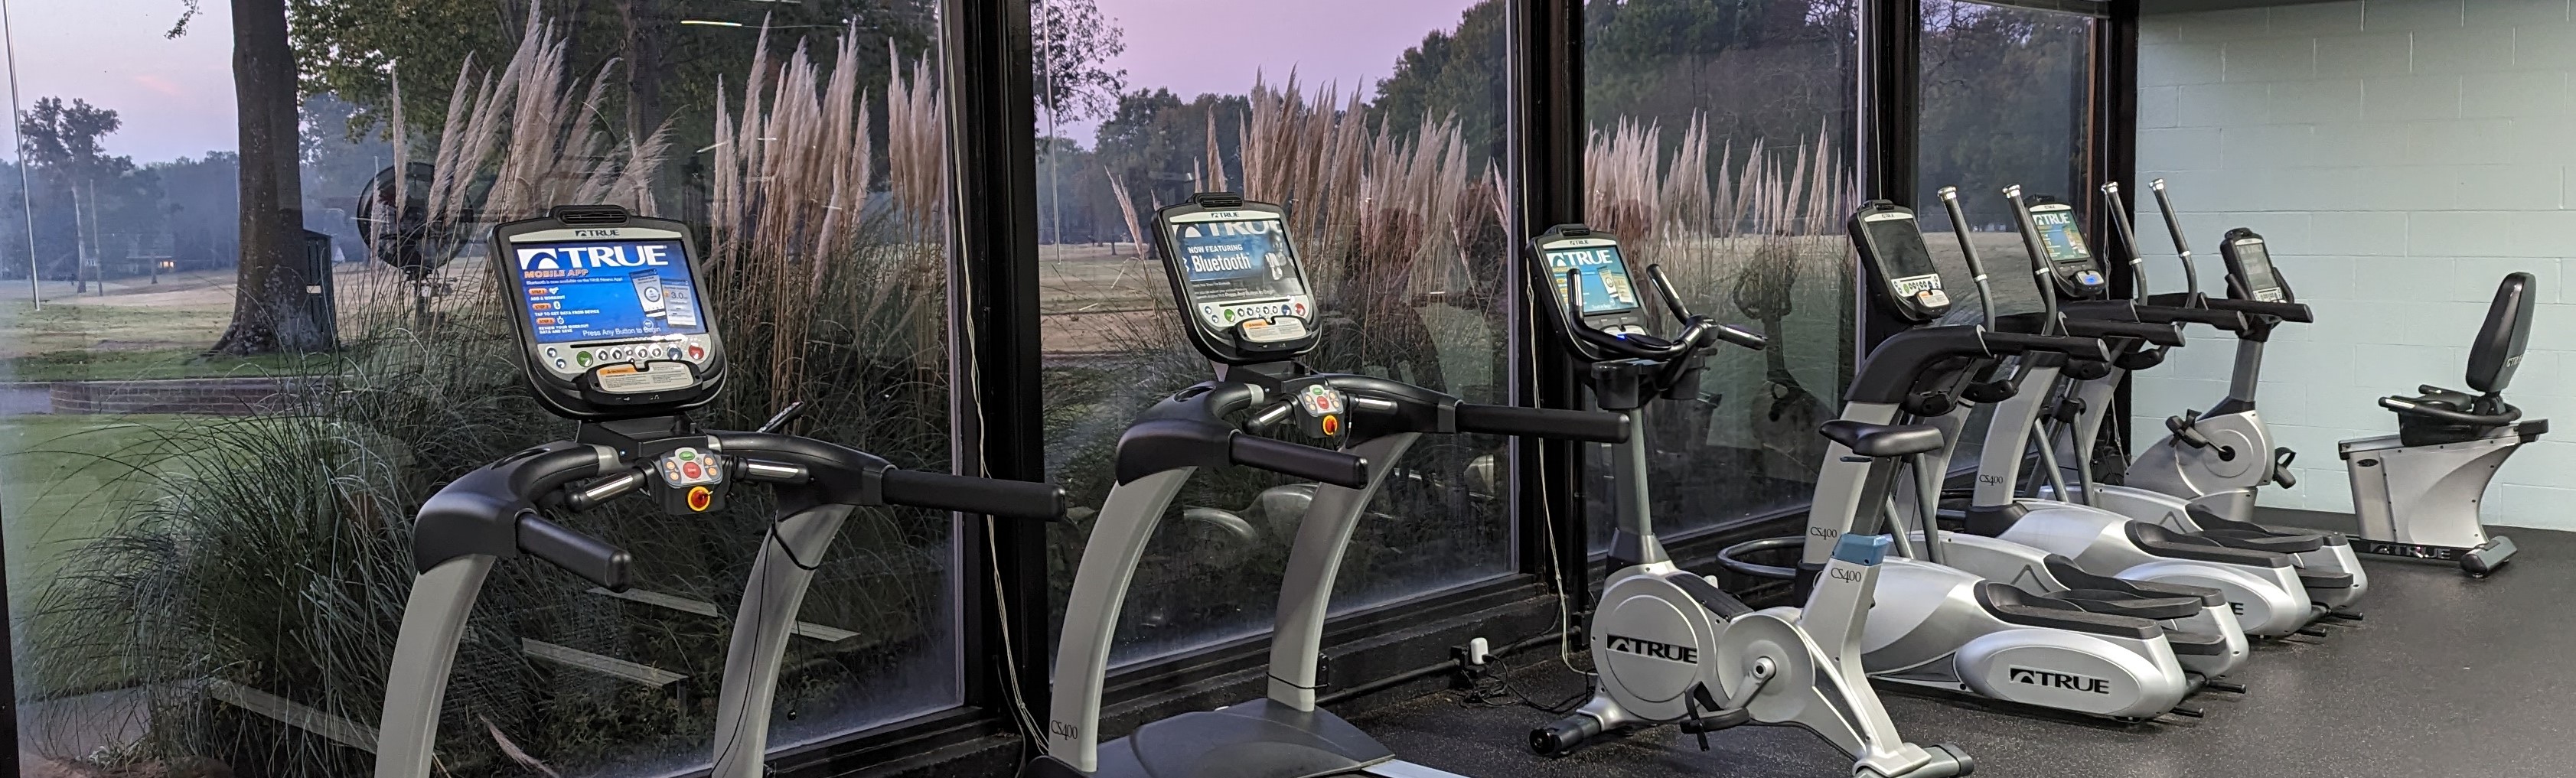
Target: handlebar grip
[[582, 555], [2290, 312], [1741, 337], [969, 494], [1590, 426], [1302, 461], [2017, 342], [2402, 405], [2159, 334]]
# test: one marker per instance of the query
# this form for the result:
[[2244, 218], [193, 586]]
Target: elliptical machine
[[1245, 305], [2096, 647], [2204, 453], [618, 337], [1672, 647], [2264, 586], [2417, 492]]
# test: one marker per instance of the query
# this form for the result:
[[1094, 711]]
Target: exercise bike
[[1672, 647], [631, 393], [1243, 297], [2417, 492]]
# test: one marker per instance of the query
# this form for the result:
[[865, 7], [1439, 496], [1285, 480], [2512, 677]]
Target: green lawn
[[140, 365], [70, 478]]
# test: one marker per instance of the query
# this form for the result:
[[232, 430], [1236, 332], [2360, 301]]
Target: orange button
[[1332, 425], [700, 498]]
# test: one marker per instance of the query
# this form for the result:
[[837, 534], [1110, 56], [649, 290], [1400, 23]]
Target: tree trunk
[[645, 21], [270, 310]]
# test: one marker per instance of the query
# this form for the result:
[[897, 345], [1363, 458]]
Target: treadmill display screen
[[2058, 233], [1603, 274], [2257, 264], [1898, 240], [576, 292], [1240, 268]]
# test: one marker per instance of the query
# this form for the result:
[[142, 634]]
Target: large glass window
[[1721, 150], [2007, 100], [1383, 141], [239, 361]]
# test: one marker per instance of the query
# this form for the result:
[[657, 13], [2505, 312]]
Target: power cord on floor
[[1493, 688]]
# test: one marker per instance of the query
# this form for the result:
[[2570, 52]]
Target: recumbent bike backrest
[[2498, 349]]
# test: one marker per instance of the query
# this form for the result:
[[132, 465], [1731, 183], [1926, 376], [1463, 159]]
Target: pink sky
[[176, 96]]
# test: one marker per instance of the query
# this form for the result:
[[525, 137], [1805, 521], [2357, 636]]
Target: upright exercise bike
[[639, 352], [1246, 307], [2417, 492], [1672, 647]]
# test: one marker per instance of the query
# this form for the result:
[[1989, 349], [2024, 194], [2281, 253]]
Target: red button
[[691, 470], [1332, 425], [700, 498]]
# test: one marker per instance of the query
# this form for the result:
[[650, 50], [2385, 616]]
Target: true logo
[[2056, 680], [562, 257], [1649, 648]]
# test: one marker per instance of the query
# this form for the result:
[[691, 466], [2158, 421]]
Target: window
[[1721, 150], [1384, 142], [218, 544], [2007, 97]]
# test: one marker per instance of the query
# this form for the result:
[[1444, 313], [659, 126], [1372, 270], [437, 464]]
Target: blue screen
[[1227, 260], [1605, 278], [2057, 232], [608, 290]]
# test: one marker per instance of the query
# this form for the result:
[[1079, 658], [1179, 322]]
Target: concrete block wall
[[2401, 156]]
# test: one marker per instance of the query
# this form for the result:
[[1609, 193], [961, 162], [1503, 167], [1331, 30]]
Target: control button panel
[[1321, 410], [690, 467]]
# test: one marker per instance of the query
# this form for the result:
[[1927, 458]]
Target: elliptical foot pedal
[[2484, 560]]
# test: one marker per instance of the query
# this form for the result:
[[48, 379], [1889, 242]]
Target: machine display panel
[[1898, 240], [2256, 262], [2057, 231], [580, 292], [1601, 271], [1240, 270]]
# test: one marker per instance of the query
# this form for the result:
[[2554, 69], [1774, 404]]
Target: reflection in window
[[1383, 145], [211, 552], [1721, 150], [2005, 98]]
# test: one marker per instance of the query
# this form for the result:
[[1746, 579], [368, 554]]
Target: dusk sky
[[176, 95]]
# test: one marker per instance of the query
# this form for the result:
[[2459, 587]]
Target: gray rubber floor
[[2448, 676]]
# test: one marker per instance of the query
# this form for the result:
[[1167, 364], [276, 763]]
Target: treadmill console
[[1575, 262], [2071, 263], [610, 312], [1235, 273], [2249, 268], [1900, 262]]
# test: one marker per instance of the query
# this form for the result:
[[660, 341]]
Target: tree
[[1074, 46], [68, 142], [269, 315]]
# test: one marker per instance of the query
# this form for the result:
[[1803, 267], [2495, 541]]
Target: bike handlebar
[[2402, 405], [2159, 334], [2289, 312], [2076, 347], [1588, 426]]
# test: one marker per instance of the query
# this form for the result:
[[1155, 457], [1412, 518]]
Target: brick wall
[[2401, 156]]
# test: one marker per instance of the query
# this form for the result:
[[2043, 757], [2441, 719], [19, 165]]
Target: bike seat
[[2065, 571], [2158, 541], [2196, 643], [2017, 607], [2126, 604], [1882, 441]]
